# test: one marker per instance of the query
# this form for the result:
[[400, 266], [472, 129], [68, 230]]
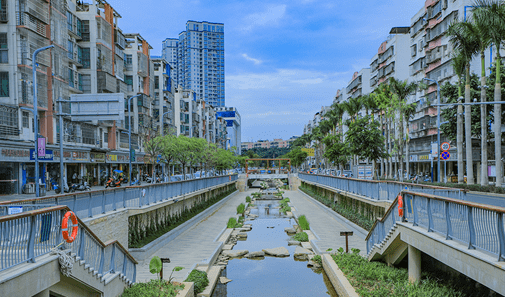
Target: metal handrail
[[31, 234], [479, 225], [91, 203], [377, 189]]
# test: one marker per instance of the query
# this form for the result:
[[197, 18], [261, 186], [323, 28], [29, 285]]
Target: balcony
[[106, 83]]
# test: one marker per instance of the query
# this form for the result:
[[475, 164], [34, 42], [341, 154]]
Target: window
[[26, 119], [128, 59], [4, 84], [85, 58], [70, 49], [85, 30], [4, 58], [71, 77], [128, 79], [156, 82], [69, 21]]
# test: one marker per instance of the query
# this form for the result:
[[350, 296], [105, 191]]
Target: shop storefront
[[95, 170]]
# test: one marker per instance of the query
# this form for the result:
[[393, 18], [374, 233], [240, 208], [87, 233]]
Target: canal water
[[271, 276]]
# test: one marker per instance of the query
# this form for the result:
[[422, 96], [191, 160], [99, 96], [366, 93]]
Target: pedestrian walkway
[[326, 226], [194, 245]]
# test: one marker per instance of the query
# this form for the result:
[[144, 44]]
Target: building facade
[[233, 127]]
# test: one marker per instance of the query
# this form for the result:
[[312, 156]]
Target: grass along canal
[[269, 275]]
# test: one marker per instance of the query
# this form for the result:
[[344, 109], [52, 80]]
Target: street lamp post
[[161, 133], [35, 124], [438, 126], [130, 139]]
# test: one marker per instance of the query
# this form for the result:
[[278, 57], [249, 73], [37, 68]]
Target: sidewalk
[[325, 226], [195, 245]]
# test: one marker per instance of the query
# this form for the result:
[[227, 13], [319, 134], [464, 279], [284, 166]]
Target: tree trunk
[[400, 154], [407, 154], [483, 123], [459, 136], [390, 150], [497, 119], [468, 130], [383, 161]]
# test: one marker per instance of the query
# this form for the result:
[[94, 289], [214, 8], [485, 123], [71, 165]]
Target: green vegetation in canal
[[248, 199], [241, 208], [376, 279], [256, 194], [155, 287], [199, 278], [318, 260], [303, 223], [142, 230], [232, 222], [302, 236], [285, 200], [345, 210], [284, 206]]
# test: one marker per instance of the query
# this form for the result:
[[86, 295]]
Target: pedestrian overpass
[[466, 236], [265, 168]]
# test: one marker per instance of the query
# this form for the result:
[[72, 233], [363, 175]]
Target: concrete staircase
[[392, 249]]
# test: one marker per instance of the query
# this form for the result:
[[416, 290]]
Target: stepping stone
[[306, 245], [301, 253], [255, 254], [277, 252], [242, 235], [224, 280], [227, 246], [290, 230], [235, 254], [293, 242]]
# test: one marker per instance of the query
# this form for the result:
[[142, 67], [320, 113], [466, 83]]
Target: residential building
[[164, 89], [199, 58], [233, 127]]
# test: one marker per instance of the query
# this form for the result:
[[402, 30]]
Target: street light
[[130, 139], [438, 125], [35, 108]]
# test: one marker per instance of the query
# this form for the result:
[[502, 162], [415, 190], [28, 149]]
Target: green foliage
[[155, 265], [161, 221], [344, 210], [284, 207], [302, 236], [285, 200], [318, 260], [297, 156], [271, 153], [376, 279], [199, 278], [241, 208], [365, 139], [153, 288], [176, 268], [232, 222], [303, 223], [248, 199]]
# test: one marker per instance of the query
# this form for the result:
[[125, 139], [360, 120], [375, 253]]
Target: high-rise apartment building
[[198, 58]]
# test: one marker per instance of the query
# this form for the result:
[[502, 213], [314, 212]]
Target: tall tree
[[465, 42], [492, 14]]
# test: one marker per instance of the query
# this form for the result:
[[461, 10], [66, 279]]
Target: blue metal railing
[[479, 226], [92, 203], [31, 234], [378, 190]]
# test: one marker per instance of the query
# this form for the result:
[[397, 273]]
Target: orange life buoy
[[64, 226], [400, 206]]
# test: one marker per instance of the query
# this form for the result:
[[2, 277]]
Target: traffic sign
[[445, 155], [445, 146]]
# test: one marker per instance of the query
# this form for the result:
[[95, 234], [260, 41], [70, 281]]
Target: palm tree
[[478, 27], [458, 64], [492, 14], [465, 42], [402, 89], [383, 99]]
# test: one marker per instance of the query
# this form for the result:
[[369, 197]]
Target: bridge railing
[[378, 190], [478, 225], [28, 235], [92, 203]]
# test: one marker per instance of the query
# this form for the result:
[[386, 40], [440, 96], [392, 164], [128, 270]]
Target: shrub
[[248, 199], [302, 236], [318, 260], [285, 200], [241, 208], [241, 219], [303, 223], [153, 288], [199, 278], [285, 209], [232, 222]]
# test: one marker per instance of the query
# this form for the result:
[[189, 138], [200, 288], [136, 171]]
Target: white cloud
[[270, 16], [255, 61]]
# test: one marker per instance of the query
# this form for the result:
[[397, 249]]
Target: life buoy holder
[[400, 206], [64, 227]]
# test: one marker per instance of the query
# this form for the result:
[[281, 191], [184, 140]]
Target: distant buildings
[[277, 142], [233, 126], [198, 59]]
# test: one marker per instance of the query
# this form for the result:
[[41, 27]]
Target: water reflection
[[270, 276]]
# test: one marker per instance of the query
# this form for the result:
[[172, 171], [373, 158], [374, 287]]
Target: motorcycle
[[83, 187], [135, 182], [56, 187], [112, 182]]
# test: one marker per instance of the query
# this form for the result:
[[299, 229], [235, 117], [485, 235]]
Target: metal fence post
[[82, 243], [448, 221], [112, 259], [102, 260], [103, 201], [414, 211], [31, 240], [501, 237], [430, 216], [471, 228], [124, 198], [124, 265], [90, 207], [56, 200], [134, 273], [75, 203], [113, 200]]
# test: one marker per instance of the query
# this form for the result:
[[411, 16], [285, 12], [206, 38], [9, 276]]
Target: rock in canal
[[255, 254], [277, 252], [301, 253], [235, 254]]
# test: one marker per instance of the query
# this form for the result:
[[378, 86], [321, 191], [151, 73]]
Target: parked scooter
[[56, 186], [112, 183], [83, 187], [135, 182]]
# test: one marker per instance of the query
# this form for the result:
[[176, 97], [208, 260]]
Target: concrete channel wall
[[114, 225]]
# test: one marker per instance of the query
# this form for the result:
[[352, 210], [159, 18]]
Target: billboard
[[89, 107]]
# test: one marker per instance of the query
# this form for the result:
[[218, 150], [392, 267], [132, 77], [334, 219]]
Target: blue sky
[[283, 59]]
